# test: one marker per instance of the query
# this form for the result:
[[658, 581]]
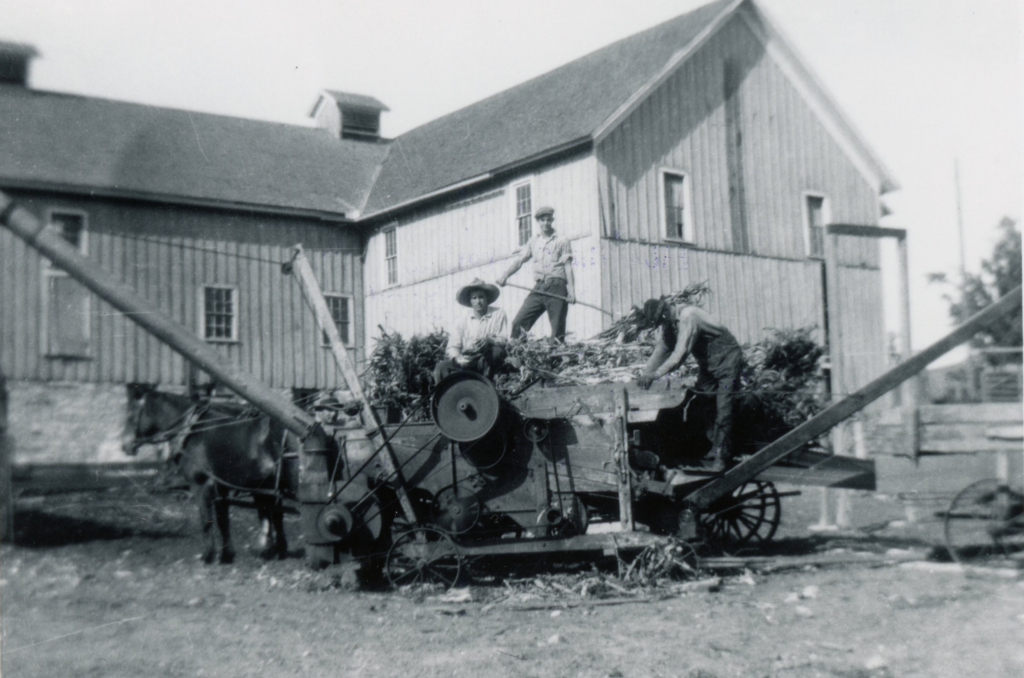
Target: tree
[[1000, 273]]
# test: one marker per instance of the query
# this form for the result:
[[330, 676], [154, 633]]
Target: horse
[[223, 448]]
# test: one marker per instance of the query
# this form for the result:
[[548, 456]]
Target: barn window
[[66, 317], [676, 214], [815, 218], [523, 212], [338, 305], [220, 313], [391, 255]]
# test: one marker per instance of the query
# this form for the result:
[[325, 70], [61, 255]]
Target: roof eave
[[678, 59], [165, 198], [566, 147], [870, 164], [780, 46]]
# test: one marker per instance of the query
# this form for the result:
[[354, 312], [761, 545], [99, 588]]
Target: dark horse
[[224, 448]]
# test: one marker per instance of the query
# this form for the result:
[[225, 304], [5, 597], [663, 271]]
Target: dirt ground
[[111, 585]]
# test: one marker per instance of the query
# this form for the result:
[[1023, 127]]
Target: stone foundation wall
[[54, 422]]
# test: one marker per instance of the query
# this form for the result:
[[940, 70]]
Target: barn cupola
[[15, 59], [348, 116]]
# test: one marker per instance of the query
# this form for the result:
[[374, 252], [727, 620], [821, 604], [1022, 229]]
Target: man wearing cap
[[686, 330], [478, 342], [554, 287]]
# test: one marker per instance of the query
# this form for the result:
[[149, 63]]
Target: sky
[[926, 82]]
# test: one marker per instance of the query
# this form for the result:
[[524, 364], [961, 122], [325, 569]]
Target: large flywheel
[[750, 514], [465, 406]]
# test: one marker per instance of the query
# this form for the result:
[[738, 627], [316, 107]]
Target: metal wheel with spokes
[[424, 556], [750, 514], [985, 521]]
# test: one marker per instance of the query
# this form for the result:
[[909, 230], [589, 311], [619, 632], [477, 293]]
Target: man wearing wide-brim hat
[[478, 341], [554, 286]]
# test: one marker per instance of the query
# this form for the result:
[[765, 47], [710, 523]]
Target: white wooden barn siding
[[786, 151], [442, 248], [278, 340]]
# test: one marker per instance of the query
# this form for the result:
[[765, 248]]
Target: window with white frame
[[815, 218], [338, 305], [523, 212], [220, 313], [66, 318], [391, 255], [676, 215]]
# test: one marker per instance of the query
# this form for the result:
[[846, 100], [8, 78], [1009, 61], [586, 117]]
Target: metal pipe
[[52, 246]]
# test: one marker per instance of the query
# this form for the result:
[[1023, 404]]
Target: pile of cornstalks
[[400, 374], [782, 369]]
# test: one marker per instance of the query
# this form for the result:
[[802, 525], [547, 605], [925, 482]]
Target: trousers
[[484, 363], [536, 304], [720, 375]]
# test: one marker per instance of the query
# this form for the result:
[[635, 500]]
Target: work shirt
[[550, 256], [470, 328]]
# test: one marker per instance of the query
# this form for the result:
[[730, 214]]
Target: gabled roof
[[575, 104], [104, 147], [550, 111]]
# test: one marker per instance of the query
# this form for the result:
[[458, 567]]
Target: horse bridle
[[178, 430]]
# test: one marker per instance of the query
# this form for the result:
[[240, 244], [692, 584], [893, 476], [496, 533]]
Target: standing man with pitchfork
[[554, 287]]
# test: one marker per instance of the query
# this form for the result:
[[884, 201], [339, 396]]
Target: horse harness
[[178, 434]]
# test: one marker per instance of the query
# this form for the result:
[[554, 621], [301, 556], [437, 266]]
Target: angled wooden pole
[[315, 298]]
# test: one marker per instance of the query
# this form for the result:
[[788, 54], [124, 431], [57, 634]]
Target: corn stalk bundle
[[400, 372], [630, 327], [783, 373]]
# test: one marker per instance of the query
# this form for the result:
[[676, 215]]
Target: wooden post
[[622, 460], [824, 421], [837, 363], [6, 455], [315, 298], [912, 390]]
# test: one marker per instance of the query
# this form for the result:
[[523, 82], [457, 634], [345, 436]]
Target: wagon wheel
[[985, 521], [750, 514], [424, 555]]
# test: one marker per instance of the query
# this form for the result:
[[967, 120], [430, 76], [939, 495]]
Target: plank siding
[[167, 255], [781, 152], [443, 248]]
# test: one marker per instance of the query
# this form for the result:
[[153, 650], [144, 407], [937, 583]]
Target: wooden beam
[[315, 298], [836, 413], [622, 460], [866, 231], [913, 390], [6, 486]]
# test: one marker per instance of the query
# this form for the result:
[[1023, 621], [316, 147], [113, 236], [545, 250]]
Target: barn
[[702, 149], [197, 213]]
